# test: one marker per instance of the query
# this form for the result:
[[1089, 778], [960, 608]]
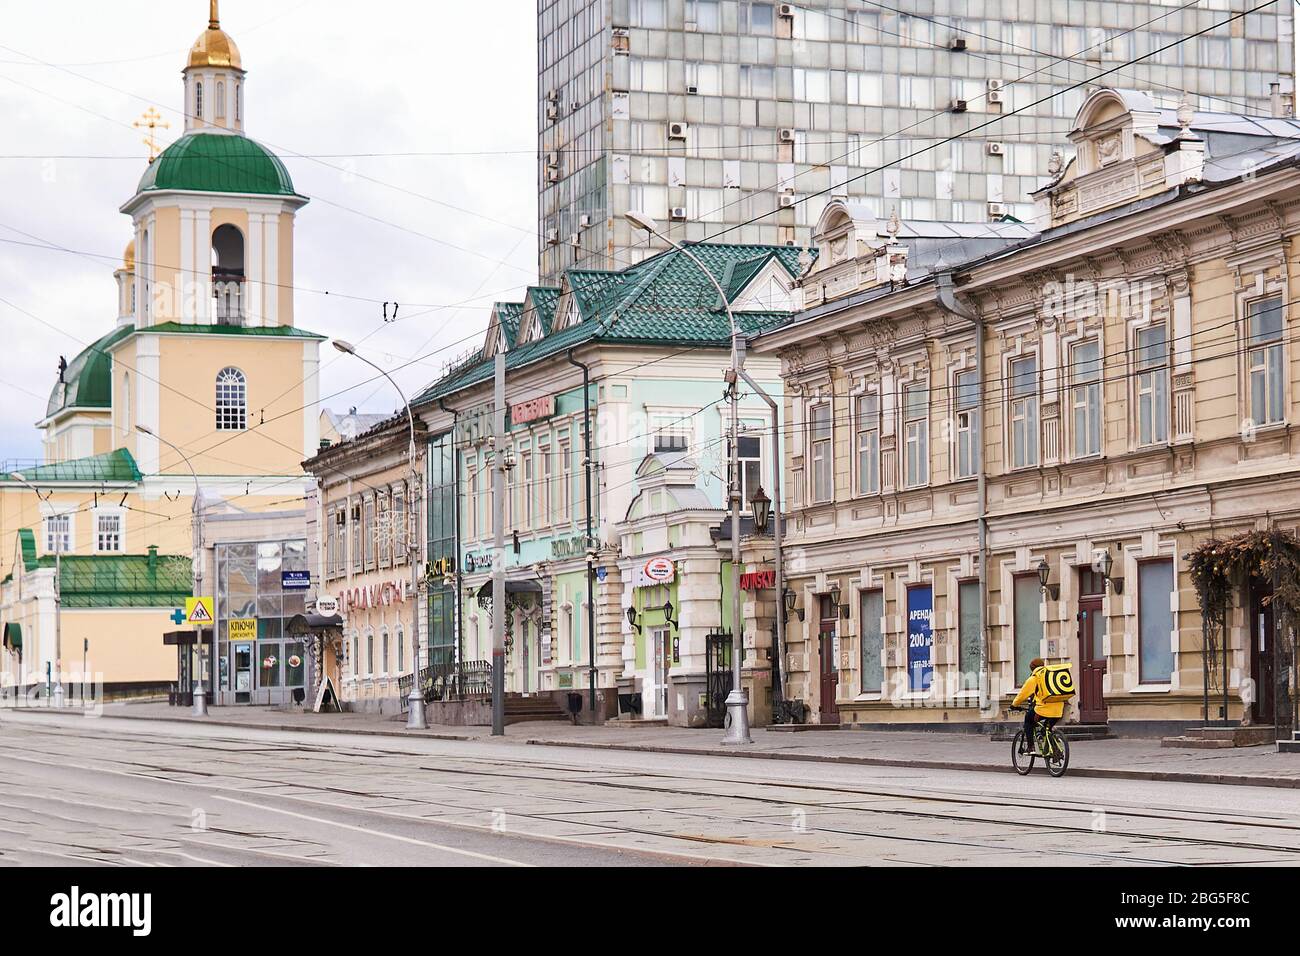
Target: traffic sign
[[198, 610]]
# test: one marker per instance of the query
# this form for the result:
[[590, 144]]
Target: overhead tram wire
[[944, 113], [1003, 116]]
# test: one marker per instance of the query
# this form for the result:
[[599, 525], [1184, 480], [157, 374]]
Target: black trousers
[[1030, 719]]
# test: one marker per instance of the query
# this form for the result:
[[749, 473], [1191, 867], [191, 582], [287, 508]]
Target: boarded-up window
[[1155, 621], [873, 672]]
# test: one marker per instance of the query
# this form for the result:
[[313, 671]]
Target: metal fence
[[460, 680]]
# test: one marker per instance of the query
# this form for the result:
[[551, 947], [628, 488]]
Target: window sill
[[1152, 689]]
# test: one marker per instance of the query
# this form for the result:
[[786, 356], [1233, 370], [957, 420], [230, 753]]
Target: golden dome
[[128, 257], [214, 47]]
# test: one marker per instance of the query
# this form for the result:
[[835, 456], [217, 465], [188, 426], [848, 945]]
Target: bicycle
[[1049, 743]]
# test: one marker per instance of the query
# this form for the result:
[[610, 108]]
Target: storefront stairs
[[525, 707], [1215, 738], [1073, 731], [1291, 746]]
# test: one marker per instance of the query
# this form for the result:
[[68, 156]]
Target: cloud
[[324, 78]]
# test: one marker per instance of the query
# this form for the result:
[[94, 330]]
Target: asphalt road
[[119, 792]]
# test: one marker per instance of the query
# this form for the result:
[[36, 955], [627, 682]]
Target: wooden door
[[1261, 654], [1092, 628], [828, 665]]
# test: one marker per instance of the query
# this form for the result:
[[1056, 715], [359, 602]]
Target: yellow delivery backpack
[[1058, 684]]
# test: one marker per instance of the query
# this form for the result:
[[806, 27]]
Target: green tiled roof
[[126, 580], [664, 300], [280, 331], [218, 163], [117, 465], [509, 314], [88, 379], [544, 298]]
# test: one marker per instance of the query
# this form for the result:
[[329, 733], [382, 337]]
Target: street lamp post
[[200, 708], [58, 595], [415, 717], [738, 699]]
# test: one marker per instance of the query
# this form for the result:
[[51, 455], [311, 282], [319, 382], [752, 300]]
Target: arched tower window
[[228, 275], [237, 104], [198, 99], [127, 423], [220, 105], [232, 400]]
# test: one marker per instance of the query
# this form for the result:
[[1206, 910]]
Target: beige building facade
[[1005, 446]]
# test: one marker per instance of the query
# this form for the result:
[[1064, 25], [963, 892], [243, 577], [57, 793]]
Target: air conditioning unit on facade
[[575, 240], [552, 111], [552, 174], [785, 10], [584, 221], [997, 209], [552, 236], [994, 96], [996, 149], [994, 85], [677, 212], [552, 96], [785, 136], [958, 106], [552, 157], [692, 90], [958, 44], [787, 201], [678, 130]]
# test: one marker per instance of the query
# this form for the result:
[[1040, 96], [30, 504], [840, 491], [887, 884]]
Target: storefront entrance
[[1261, 653], [828, 663], [1092, 658], [655, 700]]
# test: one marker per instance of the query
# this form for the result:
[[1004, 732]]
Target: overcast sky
[[325, 78]]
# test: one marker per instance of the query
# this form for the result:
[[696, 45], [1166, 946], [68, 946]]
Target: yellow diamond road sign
[[198, 610]]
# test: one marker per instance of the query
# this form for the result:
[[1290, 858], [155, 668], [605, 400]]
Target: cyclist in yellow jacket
[[1034, 689]]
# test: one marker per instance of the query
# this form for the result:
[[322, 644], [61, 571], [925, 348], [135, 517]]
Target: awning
[[187, 637], [512, 587], [13, 636], [313, 623]]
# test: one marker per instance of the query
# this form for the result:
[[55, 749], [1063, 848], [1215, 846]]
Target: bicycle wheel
[[1022, 762], [1059, 748]]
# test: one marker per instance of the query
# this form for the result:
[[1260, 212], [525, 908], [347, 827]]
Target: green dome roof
[[218, 163], [88, 379]]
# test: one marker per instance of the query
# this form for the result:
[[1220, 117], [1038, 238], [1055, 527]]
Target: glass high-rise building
[[708, 113]]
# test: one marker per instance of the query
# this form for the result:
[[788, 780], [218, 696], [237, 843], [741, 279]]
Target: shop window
[[1028, 636], [1155, 621], [872, 610], [968, 634]]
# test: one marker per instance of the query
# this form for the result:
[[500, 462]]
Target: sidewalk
[[1131, 759]]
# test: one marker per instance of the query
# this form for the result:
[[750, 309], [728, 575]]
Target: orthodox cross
[[151, 120]]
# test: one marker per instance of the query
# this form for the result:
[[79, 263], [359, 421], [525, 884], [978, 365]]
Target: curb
[[1156, 776]]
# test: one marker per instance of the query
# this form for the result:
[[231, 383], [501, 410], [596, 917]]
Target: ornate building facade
[[1006, 445]]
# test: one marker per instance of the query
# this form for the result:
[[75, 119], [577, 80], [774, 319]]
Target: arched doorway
[[228, 275]]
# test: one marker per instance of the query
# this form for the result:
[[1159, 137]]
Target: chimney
[[153, 557]]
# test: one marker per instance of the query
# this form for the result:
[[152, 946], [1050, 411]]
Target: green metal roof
[[218, 163], [13, 635], [664, 300], [126, 580], [88, 380], [279, 331], [27, 544], [116, 465], [544, 298], [508, 315]]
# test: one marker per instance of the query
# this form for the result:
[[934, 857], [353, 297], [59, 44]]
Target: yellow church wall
[[190, 364], [125, 644], [285, 290], [168, 279]]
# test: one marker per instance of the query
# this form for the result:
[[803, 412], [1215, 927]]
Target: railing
[[450, 681], [228, 300]]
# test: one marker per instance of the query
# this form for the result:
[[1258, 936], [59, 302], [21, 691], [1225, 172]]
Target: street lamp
[[631, 619], [762, 507], [18, 476], [1044, 569], [737, 700], [415, 719], [1108, 562], [200, 708]]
